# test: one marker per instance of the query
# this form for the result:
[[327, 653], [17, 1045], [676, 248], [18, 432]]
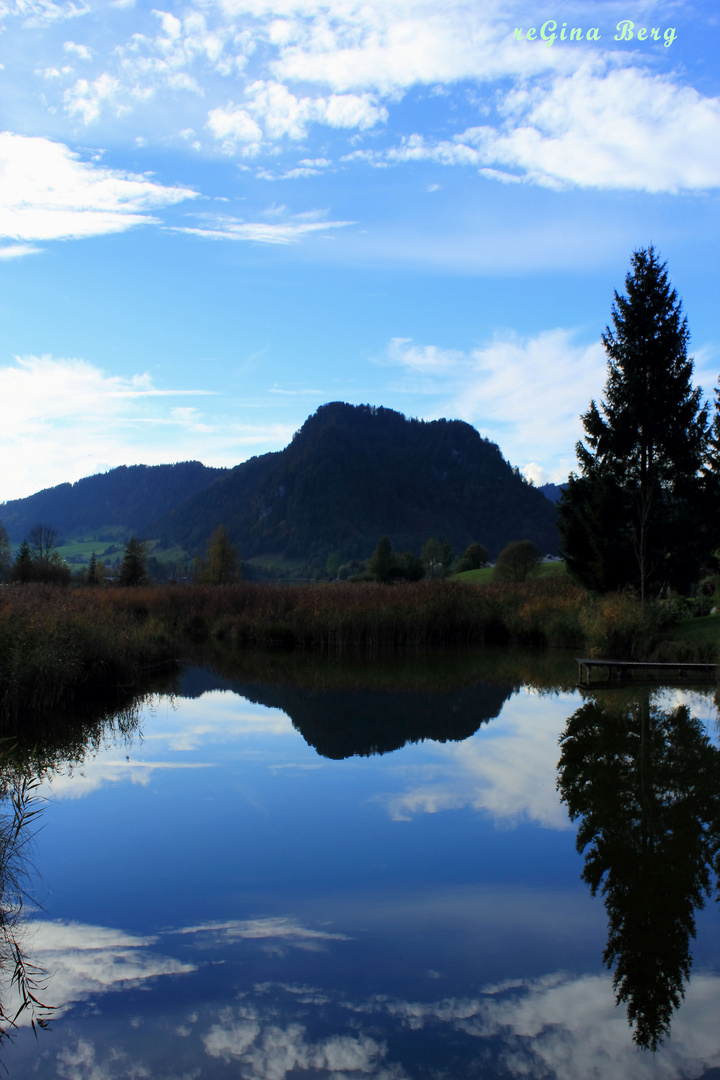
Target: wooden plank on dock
[[617, 668]]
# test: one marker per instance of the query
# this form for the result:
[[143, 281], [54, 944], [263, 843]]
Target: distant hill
[[354, 473], [131, 496], [552, 491]]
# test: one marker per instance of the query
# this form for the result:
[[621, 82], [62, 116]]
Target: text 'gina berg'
[[624, 31]]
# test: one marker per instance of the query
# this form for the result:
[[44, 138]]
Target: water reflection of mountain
[[644, 784], [365, 721]]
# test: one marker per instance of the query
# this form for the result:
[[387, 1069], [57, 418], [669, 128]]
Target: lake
[[286, 867]]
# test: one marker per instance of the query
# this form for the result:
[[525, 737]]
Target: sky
[[216, 216]]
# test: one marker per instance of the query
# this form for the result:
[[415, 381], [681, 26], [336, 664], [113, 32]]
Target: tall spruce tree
[[23, 569], [634, 515], [133, 569]]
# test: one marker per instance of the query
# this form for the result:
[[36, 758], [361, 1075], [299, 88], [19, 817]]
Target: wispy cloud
[[624, 128], [261, 232], [259, 929], [17, 251], [97, 773], [85, 961], [63, 419], [48, 193], [525, 393], [38, 13]]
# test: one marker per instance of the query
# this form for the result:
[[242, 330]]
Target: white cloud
[[60, 417], [276, 928], [570, 1027], [48, 193], [621, 129], [234, 126], [391, 46], [81, 51], [566, 1026], [86, 99], [584, 116], [271, 1051], [17, 251], [289, 232], [34, 13], [507, 770], [526, 394], [271, 113], [627, 129], [558, 1025], [79, 781], [84, 961]]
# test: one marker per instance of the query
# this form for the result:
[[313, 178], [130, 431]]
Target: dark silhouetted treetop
[[386, 564], [634, 513], [517, 561], [475, 557]]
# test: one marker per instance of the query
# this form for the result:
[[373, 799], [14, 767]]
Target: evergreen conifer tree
[[23, 569], [382, 560], [92, 573], [133, 570], [634, 514]]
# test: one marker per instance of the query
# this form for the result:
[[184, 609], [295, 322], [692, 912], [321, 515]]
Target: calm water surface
[[271, 880]]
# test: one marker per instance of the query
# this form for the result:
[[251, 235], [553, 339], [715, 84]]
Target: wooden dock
[[617, 669]]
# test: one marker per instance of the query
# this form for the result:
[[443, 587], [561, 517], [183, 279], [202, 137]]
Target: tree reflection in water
[[21, 980], [643, 782]]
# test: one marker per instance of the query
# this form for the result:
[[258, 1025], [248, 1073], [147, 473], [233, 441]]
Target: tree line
[[38, 560]]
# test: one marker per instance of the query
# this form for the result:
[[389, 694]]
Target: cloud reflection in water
[[560, 1026], [507, 771]]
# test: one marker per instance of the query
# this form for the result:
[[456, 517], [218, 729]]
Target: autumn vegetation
[[56, 643]]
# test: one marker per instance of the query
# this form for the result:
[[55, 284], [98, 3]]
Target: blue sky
[[216, 216]]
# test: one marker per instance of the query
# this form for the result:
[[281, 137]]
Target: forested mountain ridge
[[354, 473], [131, 496]]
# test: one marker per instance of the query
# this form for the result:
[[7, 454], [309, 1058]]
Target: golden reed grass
[[54, 641]]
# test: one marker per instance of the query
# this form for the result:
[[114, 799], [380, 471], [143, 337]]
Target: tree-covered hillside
[[354, 473], [129, 496]]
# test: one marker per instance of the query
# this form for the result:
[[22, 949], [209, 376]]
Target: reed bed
[[55, 642]]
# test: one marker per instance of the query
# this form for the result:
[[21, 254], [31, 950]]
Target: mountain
[[339, 724], [354, 473], [131, 496], [552, 491]]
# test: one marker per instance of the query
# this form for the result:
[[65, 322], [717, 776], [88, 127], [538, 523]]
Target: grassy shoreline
[[58, 643]]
